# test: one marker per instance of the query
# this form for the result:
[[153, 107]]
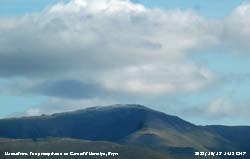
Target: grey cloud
[[72, 89], [33, 64]]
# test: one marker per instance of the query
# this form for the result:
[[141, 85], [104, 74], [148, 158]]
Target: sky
[[185, 58]]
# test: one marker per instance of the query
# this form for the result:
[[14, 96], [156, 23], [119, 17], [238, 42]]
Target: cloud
[[235, 32], [224, 108], [221, 107], [158, 80], [116, 44], [220, 110], [68, 89]]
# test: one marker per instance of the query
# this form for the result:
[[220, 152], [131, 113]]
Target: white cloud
[[221, 107], [98, 6], [235, 32], [227, 107], [158, 80]]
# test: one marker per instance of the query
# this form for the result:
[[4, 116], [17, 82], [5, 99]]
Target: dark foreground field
[[72, 145]]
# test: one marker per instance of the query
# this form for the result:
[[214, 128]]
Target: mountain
[[131, 125]]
